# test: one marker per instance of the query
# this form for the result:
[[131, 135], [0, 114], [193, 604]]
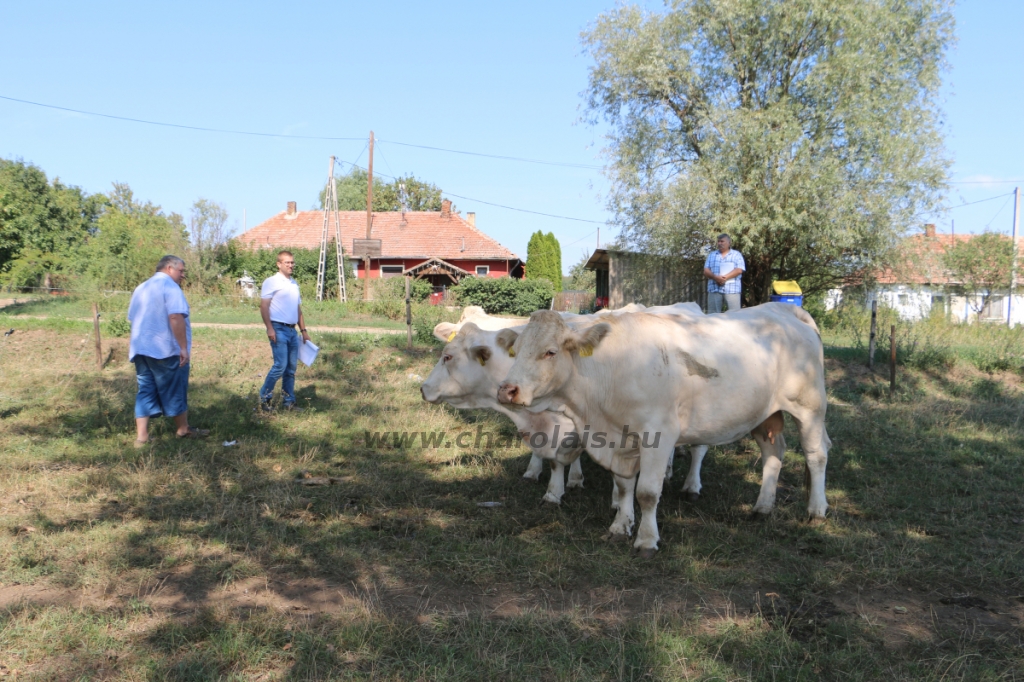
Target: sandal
[[193, 432]]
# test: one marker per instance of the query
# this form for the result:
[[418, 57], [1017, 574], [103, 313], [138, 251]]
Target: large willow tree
[[807, 129]]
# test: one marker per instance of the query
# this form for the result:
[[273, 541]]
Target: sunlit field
[[300, 552]]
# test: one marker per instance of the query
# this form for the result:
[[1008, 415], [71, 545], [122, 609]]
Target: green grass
[[227, 310], [192, 561]]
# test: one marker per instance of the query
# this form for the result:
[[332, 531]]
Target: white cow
[[467, 376], [645, 382]]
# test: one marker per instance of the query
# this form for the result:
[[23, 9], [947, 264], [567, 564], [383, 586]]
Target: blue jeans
[[286, 359], [163, 386]]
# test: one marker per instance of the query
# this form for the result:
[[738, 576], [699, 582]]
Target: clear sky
[[502, 79]]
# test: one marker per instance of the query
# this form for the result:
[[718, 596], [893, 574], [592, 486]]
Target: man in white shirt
[[161, 347], [281, 308]]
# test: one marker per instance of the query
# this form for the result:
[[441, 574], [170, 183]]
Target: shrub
[[118, 326], [506, 296]]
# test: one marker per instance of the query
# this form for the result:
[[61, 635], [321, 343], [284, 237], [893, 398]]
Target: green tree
[[981, 267], [544, 259], [207, 234], [41, 223], [129, 240], [807, 129], [387, 196], [581, 279]]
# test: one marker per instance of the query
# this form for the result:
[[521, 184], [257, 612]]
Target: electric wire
[[1005, 204]]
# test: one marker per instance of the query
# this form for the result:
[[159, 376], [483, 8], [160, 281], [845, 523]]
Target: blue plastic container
[[795, 299]]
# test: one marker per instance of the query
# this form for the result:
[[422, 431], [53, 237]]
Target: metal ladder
[[331, 206]]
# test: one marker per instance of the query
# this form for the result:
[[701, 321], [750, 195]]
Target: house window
[[391, 271], [904, 299], [938, 301], [993, 309], [483, 270]]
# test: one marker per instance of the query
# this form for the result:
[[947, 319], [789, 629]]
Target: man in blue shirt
[[723, 270], [160, 347]]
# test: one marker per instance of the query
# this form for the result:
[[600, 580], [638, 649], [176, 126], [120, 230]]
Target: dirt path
[[226, 325]]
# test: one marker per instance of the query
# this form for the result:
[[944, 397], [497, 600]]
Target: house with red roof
[[920, 284], [441, 247]]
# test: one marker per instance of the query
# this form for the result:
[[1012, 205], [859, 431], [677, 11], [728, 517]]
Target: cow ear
[[586, 342], [446, 331], [505, 339], [481, 353]]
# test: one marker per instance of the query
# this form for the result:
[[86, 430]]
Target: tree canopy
[[981, 267], [41, 222], [544, 259], [807, 129], [387, 196]]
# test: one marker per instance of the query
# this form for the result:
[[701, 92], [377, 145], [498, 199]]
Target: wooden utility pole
[[892, 361], [96, 327], [369, 224], [871, 338], [1013, 263], [408, 313]]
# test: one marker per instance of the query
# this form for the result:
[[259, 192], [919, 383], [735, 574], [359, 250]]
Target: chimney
[[471, 219], [291, 208], [929, 229], [446, 209]]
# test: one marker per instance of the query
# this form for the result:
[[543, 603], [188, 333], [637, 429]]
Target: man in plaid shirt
[[723, 270]]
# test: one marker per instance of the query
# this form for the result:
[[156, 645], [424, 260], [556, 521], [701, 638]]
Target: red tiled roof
[[424, 234], [922, 262]]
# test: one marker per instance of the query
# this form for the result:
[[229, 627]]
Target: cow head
[[469, 369], [545, 355]]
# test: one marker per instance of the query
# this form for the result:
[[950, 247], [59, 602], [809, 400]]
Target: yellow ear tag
[[511, 352], [586, 351], [480, 360], [452, 336]]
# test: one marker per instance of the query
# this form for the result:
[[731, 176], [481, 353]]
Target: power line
[[499, 156], [984, 182], [980, 201], [491, 203], [999, 211], [293, 137], [177, 125]]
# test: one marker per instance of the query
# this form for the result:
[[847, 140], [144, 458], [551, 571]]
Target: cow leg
[[575, 475], [622, 526], [533, 471], [556, 486], [815, 443], [771, 455], [615, 495], [691, 487], [648, 493], [671, 462]]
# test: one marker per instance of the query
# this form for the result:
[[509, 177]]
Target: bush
[[506, 296], [118, 326]]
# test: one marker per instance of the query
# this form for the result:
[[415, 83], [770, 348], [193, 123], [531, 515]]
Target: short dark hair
[[726, 236], [282, 254], [167, 261]]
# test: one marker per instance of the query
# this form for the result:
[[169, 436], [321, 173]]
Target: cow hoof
[[614, 538], [816, 521], [550, 503], [693, 498], [574, 484], [647, 553], [758, 516], [531, 479]]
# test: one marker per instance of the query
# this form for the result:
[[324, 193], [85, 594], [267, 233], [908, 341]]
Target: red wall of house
[[498, 268]]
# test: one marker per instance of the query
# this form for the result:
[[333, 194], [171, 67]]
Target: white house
[[920, 284]]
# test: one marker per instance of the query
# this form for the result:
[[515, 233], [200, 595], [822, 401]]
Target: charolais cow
[[469, 371], [645, 382]]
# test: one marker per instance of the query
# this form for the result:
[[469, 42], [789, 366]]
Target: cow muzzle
[[509, 394]]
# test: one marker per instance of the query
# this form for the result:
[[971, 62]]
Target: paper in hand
[[307, 353]]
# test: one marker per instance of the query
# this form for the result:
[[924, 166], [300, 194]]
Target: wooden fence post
[[871, 338], [892, 361], [96, 327], [408, 313]]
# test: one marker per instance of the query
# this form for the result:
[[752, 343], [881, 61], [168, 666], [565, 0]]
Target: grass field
[[189, 560], [215, 309]]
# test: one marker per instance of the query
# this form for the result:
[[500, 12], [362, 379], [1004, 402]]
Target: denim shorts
[[163, 386]]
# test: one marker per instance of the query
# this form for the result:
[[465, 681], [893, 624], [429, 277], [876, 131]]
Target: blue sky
[[502, 79]]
